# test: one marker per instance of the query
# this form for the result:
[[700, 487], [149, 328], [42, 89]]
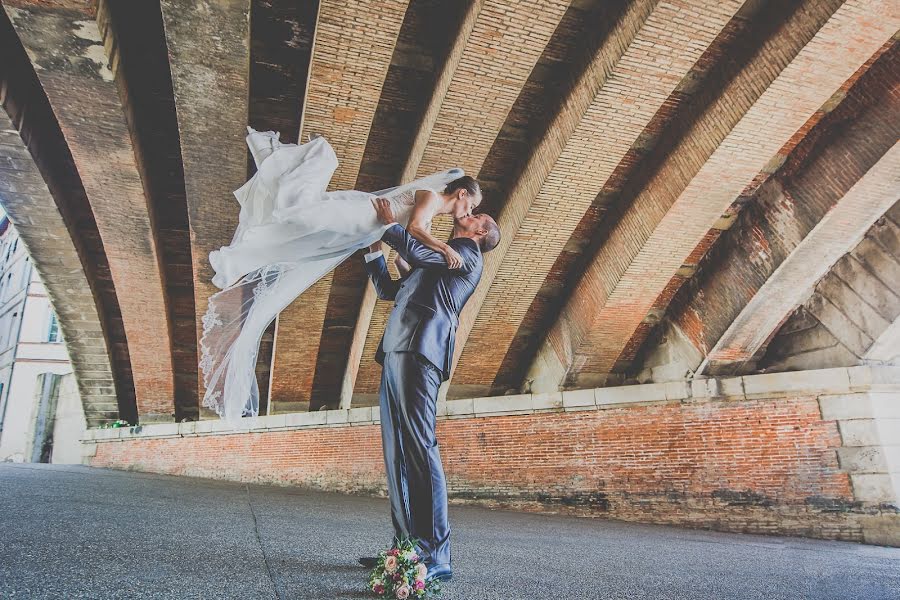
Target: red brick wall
[[761, 466]]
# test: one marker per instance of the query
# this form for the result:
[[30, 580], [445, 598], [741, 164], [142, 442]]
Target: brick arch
[[42, 195]]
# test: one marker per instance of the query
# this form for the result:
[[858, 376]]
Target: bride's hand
[[454, 260], [383, 210]]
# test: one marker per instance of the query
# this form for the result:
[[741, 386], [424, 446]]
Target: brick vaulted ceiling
[[676, 181]]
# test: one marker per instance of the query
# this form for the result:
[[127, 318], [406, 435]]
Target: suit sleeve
[[419, 255], [385, 287]]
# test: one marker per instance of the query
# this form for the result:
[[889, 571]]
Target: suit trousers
[[415, 476]]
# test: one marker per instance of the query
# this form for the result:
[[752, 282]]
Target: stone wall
[[851, 317], [806, 453]]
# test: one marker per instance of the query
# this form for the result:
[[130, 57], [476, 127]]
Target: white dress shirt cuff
[[370, 256]]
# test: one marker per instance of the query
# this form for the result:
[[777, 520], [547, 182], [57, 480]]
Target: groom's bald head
[[481, 228]]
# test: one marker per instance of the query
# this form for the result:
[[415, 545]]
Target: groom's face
[[470, 225]]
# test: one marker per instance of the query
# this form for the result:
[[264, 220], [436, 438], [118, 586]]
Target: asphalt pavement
[[80, 532]]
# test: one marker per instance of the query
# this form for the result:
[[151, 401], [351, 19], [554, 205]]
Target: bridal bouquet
[[400, 574]]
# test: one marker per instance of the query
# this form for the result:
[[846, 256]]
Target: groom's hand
[[383, 211]]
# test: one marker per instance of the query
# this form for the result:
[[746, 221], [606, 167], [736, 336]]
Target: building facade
[[35, 411]]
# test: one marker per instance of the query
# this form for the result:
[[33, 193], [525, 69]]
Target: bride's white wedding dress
[[291, 232]]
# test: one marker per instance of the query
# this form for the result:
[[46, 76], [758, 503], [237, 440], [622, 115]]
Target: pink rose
[[402, 592], [421, 571], [420, 584], [390, 564], [393, 552]]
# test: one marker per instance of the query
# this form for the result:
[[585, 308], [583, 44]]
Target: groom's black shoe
[[368, 562], [439, 572]]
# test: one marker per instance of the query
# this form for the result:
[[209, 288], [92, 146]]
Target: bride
[[291, 232]]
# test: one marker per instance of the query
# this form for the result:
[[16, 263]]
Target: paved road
[[78, 532]]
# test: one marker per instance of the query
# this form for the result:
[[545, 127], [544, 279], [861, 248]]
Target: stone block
[[868, 459], [629, 394], [875, 377], [882, 530], [306, 419], [732, 387], [362, 414], [223, 426], [460, 408], [835, 381], [273, 421], [441, 409], [204, 426], [505, 405], [88, 450], [552, 401], [573, 400], [869, 432], [677, 390], [876, 488], [861, 405], [336, 417], [107, 434], [705, 388], [161, 430]]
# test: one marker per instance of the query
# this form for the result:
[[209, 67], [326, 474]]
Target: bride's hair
[[463, 183]]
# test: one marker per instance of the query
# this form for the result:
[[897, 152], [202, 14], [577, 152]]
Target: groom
[[416, 353]]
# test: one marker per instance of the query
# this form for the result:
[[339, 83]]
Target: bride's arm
[[427, 206]]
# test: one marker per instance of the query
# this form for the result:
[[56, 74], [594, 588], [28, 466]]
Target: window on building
[[8, 337], [54, 335]]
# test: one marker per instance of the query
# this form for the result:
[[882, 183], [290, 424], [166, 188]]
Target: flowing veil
[[238, 315]]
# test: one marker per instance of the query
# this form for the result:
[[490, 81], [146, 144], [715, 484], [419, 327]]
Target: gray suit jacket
[[427, 302]]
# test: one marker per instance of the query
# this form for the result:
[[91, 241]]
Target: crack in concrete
[[261, 547]]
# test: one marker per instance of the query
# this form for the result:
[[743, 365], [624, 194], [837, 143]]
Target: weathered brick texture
[[788, 208], [80, 77], [352, 52], [145, 86], [44, 232], [854, 314], [498, 47], [758, 111], [412, 157], [209, 47], [630, 78], [763, 466], [837, 233]]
